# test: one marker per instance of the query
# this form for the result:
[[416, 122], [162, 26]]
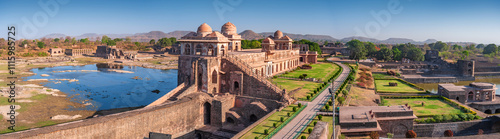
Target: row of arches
[[209, 50], [278, 67], [252, 119], [488, 111]]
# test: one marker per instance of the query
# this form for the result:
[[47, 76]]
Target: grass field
[[289, 85], [258, 131], [382, 76], [432, 106], [328, 119], [319, 71], [383, 85]]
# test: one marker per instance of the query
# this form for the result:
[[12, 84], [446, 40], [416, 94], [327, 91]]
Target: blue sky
[[446, 20]]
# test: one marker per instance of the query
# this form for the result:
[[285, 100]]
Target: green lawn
[[328, 119], [382, 76], [383, 85], [319, 71], [432, 106], [289, 85], [258, 131]]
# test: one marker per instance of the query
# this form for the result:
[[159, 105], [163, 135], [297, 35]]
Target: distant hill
[[250, 35], [311, 37], [363, 39], [54, 35], [146, 37], [430, 41], [398, 40]]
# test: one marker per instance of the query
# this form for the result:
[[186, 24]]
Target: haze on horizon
[[445, 20]]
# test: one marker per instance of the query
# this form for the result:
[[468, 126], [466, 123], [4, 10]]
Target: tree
[[40, 45], [384, 54], [84, 40], [105, 39], [358, 50], [415, 54], [491, 48], [464, 54], [440, 46], [480, 46], [73, 41], [371, 49], [456, 47], [127, 39], [110, 43], [411, 134], [326, 43], [56, 40], [470, 47], [163, 42], [152, 41]]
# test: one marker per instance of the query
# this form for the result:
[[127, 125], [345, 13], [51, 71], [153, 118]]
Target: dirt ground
[[362, 96]]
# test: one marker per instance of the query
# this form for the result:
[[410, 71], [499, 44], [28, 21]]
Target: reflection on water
[[433, 86], [108, 89]]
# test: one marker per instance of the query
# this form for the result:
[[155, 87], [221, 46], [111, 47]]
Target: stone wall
[[432, 80], [458, 128], [252, 86], [397, 127], [178, 118]]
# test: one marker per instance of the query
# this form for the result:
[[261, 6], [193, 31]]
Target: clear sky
[[446, 20]]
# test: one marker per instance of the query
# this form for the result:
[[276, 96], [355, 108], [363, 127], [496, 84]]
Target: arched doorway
[[253, 118], [223, 50], [206, 113], [198, 136], [470, 96], [497, 111], [236, 86], [457, 99], [200, 83], [214, 76], [301, 59], [487, 111], [229, 120]]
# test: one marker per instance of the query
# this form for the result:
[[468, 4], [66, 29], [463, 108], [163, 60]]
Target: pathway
[[294, 127]]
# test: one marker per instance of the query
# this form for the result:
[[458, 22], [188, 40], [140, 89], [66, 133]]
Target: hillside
[[250, 35]]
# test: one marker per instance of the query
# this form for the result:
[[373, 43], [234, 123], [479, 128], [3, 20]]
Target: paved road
[[294, 127]]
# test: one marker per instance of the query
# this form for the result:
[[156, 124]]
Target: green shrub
[[390, 135], [294, 109], [309, 130], [455, 118], [471, 116], [266, 131], [274, 125], [303, 137], [330, 103], [320, 117], [256, 138], [462, 116], [282, 119], [478, 117], [327, 107], [300, 105], [288, 114], [315, 122], [308, 97], [438, 118], [447, 118]]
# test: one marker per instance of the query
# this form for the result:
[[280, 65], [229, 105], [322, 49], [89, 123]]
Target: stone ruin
[[111, 52]]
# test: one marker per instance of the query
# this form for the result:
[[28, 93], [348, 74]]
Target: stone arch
[[198, 50], [399, 129], [200, 75], [470, 96], [236, 85], [206, 113], [198, 136], [253, 118], [230, 120], [223, 50], [458, 99], [214, 90], [210, 50], [488, 111], [187, 49], [497, 111], [214, 76], [301, 59]]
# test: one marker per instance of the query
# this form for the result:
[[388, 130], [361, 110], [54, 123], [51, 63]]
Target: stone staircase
[[251, 72]]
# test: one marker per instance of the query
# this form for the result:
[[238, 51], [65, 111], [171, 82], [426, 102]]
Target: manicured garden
[[319, 71], [273, 123], [431, 106], [382, 76], [307, 130], [382, 86], [306, 88]]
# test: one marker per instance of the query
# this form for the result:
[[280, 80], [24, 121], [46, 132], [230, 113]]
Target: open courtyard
[[432, 106], [402, 87]]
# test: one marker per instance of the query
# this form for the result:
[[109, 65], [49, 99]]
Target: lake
[[432, 87], [107, 87]]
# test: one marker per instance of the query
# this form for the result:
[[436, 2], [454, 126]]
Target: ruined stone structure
[[306, 56], [480, 96], [383, 119], [111, 52], [78, 52], [56, 52], [336, 51]]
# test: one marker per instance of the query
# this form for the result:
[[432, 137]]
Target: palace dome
[[228, 29], [278, 34], [204, 28]]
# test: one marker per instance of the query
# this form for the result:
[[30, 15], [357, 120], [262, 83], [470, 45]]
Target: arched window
[[198, 50], [214, 76], [236, 86], [187, 49], [210, 50], [206, 113]]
